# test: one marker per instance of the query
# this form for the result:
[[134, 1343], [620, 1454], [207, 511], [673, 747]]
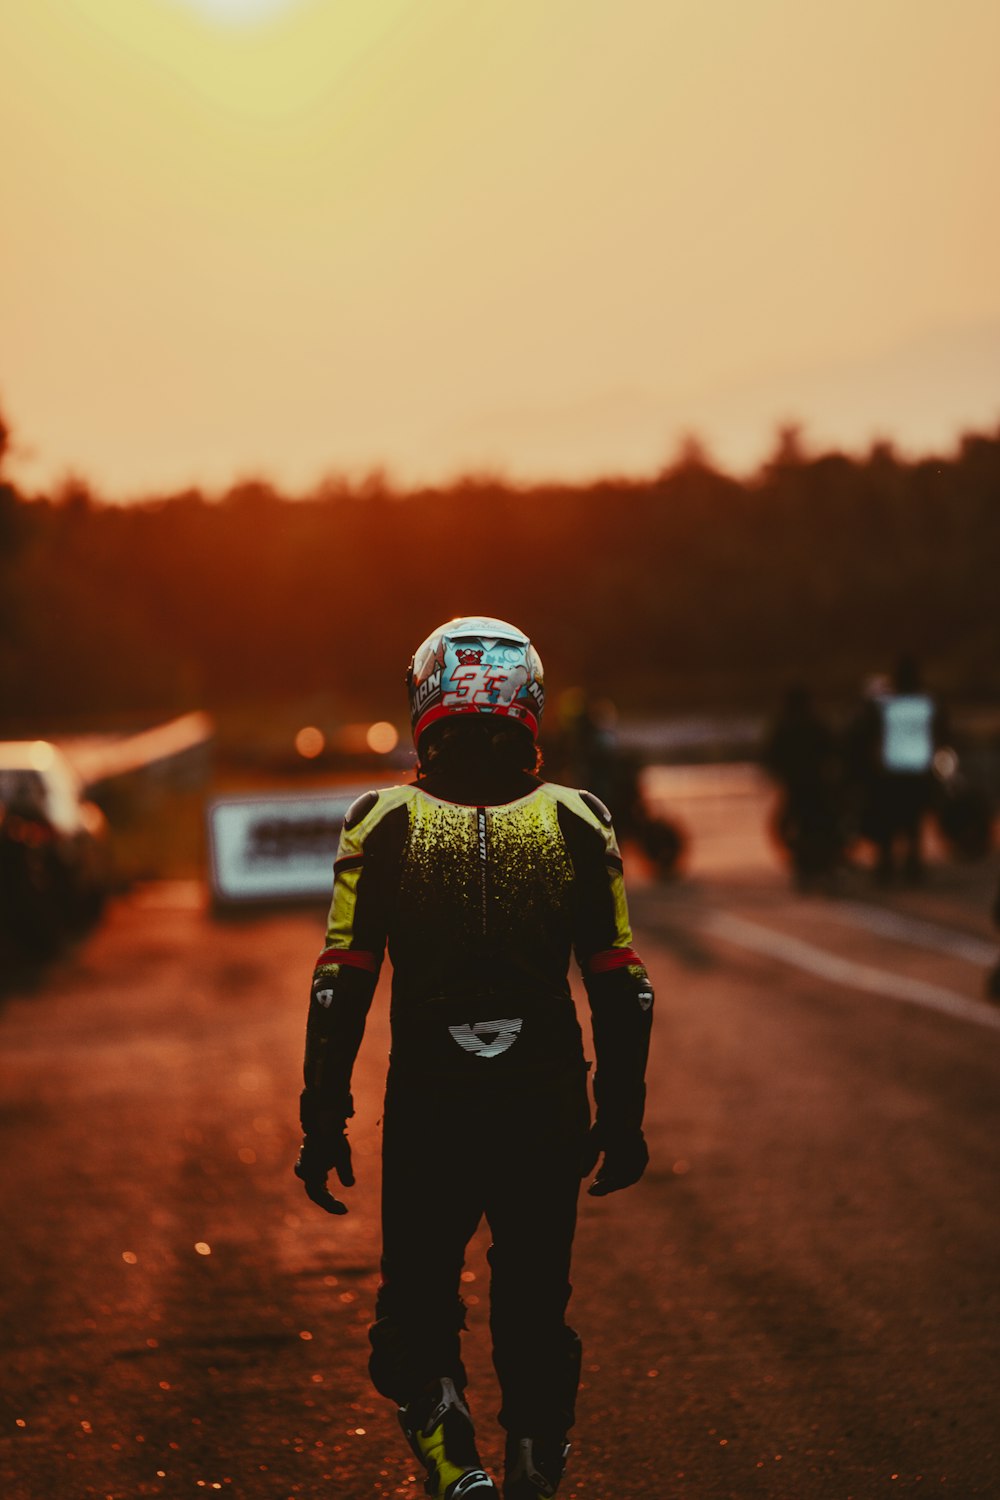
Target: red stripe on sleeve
[[613, 958], [354, 958]]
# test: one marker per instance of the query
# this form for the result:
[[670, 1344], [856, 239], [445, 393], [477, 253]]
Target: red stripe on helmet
[[612, 958], [355, 958]]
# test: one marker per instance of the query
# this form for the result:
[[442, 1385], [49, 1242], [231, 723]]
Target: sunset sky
[[298, 237]]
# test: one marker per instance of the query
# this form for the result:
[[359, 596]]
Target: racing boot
[[439, 1429], [533, 1467]]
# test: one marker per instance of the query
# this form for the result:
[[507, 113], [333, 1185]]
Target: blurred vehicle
[[962, 809], [54, 849], [586, 753], [661, 840]]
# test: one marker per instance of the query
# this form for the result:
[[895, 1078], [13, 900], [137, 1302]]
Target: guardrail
[[100, 759]]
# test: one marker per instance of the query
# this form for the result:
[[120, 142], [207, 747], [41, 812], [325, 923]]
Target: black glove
[[625, 1158], [324, 1149]]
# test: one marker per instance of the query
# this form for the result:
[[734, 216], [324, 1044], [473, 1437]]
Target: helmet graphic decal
[[476, 664], [487, 1038]]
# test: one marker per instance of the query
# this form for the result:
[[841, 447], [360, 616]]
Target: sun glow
[[238, 12], [256, 63], [298, 237]]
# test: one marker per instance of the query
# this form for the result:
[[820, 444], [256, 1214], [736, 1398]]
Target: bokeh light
[[945, 763], [310, 742], [383, 737]]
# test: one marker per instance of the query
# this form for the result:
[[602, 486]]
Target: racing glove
[[621, 1005], [325, 1148], [625, 1154]]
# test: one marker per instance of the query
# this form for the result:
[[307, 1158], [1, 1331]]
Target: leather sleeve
[[347, 970], [618, 986]]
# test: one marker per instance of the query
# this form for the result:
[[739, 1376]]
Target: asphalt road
[[800, 1300]]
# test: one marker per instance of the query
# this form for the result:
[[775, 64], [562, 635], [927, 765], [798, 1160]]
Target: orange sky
[[544, 236]]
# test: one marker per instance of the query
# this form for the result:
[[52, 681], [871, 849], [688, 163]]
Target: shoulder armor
[[360, 808], [597, 807]]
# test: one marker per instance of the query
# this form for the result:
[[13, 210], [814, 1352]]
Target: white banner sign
[[276, 848]]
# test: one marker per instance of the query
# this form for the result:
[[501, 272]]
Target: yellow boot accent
[[451, 1476], [432, 1451]]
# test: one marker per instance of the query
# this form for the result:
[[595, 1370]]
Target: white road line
[[845, 971], [922, 934]]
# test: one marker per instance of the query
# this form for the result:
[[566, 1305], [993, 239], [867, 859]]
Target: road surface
[[800, 1300]]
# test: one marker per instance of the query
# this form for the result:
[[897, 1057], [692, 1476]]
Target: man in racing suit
[[482, 879]]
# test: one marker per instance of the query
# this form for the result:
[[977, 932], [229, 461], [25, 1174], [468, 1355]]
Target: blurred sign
[[276, 848]]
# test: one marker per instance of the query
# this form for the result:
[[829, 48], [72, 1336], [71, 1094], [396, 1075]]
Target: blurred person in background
[[483, 879], [993, 976], [861, 762], [800, 753], [900, 730]]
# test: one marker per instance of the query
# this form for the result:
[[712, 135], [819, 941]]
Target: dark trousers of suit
[[511, 1154]]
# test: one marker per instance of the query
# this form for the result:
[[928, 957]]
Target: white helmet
[[475, 665]]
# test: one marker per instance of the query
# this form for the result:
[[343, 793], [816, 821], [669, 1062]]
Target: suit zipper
[[483, 861]]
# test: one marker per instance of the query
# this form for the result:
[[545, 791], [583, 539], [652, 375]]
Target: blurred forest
[[688, 590]]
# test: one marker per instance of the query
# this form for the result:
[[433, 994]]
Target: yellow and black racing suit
[[486, 1107]]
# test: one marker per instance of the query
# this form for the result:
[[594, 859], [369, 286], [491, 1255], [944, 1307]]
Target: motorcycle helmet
[[475, 665]]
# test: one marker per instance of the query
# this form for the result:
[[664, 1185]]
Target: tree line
[[687, 589]]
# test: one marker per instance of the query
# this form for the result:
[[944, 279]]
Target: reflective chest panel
[[907, 732], [481, 907], [490, 872]]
